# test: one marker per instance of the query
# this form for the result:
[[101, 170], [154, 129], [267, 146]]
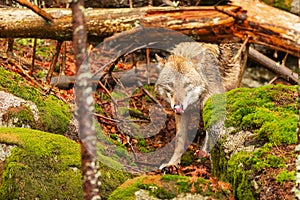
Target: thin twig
[[130, 4], [54, 61], [148, 93], [240, 51], [120, 54], [107, 118], [33, 56], [107, 92], [284, 59]]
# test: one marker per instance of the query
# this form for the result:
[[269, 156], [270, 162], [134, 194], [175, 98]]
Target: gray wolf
[[188, 77]]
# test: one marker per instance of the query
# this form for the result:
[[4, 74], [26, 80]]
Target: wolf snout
[[178, 109]]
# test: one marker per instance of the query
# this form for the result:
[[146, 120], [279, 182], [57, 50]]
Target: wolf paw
[[169, 169]]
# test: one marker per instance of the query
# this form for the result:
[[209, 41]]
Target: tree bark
[[264, 24]]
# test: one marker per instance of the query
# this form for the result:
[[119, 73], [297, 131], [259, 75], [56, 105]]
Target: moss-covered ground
[[54, 113], [168, 187]]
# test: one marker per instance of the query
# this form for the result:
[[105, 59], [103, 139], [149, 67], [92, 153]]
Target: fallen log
[[262, 23]]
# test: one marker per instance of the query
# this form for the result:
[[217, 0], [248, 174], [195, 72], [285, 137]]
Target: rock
[[73, 130], [295, 7], [13, 109], [235, 142], [5, 150], [143, 195]]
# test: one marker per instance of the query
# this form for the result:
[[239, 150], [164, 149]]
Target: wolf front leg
[[213, 134], [182, 121]]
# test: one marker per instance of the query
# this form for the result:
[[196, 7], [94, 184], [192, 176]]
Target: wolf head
[[180, 83]]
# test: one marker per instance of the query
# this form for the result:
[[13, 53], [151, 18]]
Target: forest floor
[[141, 113]]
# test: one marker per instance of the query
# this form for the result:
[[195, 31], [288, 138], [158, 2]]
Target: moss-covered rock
[[43, 165], [48, 166], [265, 121], [54, 114]]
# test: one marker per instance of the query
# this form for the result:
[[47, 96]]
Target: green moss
[[282, 4], [150, 89], [285, 175], [269, 111], [245, 188], [117, 152], [187, 158], [170, 177], [144, 150], [114, 136], [219, 162], [242, 164], [126, 192], [214, 110], [121, 151], [98, 109], [20, 117], [40, 74], [112, 171], [54, 113], [118, 95], [111, 178], [45, 166], [141, 142], [156, 191]]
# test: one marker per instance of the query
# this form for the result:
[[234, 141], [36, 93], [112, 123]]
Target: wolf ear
[[161, 61]]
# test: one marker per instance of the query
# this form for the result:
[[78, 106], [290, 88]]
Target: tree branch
[[270, 64]]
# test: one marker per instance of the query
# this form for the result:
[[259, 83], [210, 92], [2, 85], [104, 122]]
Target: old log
[[102, 23], [263, 24]]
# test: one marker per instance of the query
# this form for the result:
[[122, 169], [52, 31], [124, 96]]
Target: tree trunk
[[85, 105], [264, 24]]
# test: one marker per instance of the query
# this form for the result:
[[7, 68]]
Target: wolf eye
[[168, 88]]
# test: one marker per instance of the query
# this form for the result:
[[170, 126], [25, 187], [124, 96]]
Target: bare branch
[[36, 9]]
